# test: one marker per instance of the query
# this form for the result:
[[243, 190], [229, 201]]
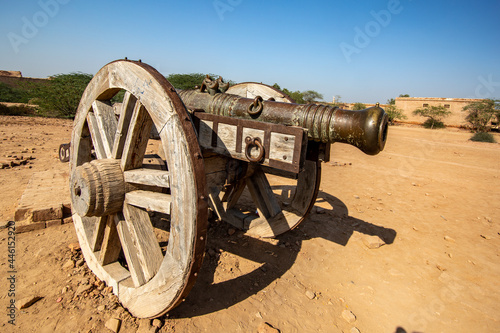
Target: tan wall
[[456, 118]]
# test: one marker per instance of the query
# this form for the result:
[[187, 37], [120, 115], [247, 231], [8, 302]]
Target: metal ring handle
[[254, 143], [256, 107]]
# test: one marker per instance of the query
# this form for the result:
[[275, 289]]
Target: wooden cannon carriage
[[141, 206]]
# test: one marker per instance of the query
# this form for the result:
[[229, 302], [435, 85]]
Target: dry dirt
[[432, 196]]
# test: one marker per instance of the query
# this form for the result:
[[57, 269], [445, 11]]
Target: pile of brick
[[45, 202]]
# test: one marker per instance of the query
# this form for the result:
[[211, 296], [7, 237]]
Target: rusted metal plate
[[273, 145]]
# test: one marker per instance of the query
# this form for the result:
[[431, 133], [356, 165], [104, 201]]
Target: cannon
[[142, 225]]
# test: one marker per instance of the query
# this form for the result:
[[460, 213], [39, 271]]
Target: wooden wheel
[[122, 206], [263, 201]]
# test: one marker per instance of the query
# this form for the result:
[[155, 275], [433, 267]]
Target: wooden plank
[[129, 251], [220, 210], [143, 236], [226, 137], [106, 121], [151, 201], [96, 136], [98, 236], [128, 108], [111, 246], [137, 139], [263, 195], [282, 147], [150, 177]]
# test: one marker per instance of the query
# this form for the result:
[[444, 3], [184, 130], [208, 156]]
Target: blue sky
[[364, 51]]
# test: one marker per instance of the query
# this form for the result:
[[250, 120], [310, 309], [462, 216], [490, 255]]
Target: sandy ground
[[432, 196]]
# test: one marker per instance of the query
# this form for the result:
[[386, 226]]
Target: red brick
[[22, 213]]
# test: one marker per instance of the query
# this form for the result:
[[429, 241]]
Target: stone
[[231, 231], [310, 294], [113, 324], [80, 262], [267, 328], [449, 239], [157, 323], [101, 308], [373, 242], [26, 302], [74, 247], [70, 264], [354, 330], [82, 289], [348, 316]]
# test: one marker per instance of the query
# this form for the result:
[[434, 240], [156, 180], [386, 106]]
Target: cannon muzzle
[[366, 129]]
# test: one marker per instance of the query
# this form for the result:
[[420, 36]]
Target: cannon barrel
[[366, 129]]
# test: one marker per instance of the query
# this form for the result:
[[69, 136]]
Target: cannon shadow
[[275, 257]]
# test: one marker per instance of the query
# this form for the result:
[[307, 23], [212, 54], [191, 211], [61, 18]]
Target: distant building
[[455, 105], [15, 78]]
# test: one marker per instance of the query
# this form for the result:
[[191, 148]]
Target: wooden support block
[[27, 226], [47, 214], [53, 223]]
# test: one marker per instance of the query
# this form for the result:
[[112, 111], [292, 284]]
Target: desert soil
[[432, 197]]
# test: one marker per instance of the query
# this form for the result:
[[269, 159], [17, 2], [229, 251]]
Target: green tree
[[404, 95], [186, 81], [480, 113], [311, 96], [394, 113], [359, 106], [434, 114], [9, 94], [391, 101], [61, 95]]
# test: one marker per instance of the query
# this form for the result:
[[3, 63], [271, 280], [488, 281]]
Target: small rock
[[83, 289], [320, 210], [157, 323], [101, 308], [348, 316], [231, 231], [267, 328], [59, 300], [356, 196], [310, 294], [80, 262], [486, 237], [74, 247], [145, 327], [373, 242], [113, 324], [64, 290], [258, 315], [449, 239], [211, 252], [355, 330], [69, 264], [27, 302]]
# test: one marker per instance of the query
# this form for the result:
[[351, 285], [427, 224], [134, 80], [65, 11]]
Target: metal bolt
[[284, 157]]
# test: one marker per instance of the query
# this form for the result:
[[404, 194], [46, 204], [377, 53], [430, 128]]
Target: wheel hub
[[98, 188]]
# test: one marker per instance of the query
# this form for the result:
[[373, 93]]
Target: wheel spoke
[[151, 201], [148, 177], [110, 249], [98, 235], [128, 106], [96, 135], [106, 122], [263, 195], [143, 237], [137, 139], [130, 252]]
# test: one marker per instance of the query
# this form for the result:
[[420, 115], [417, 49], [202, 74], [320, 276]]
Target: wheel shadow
[[270, 258]]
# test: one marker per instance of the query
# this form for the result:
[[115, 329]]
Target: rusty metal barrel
[[365, 129]]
